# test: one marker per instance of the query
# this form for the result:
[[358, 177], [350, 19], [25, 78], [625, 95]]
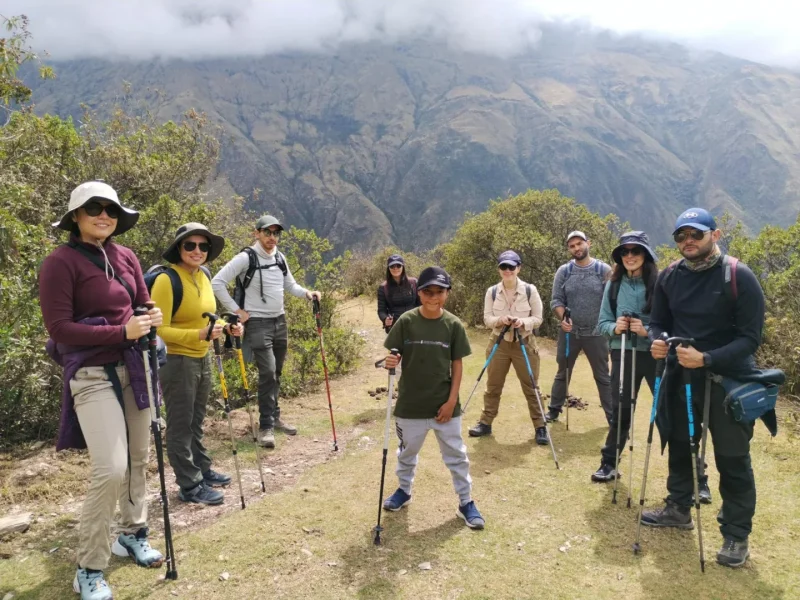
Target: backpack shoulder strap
[[494, 291], [528, 291], [729, 264], [206, 271], [177, 288], [101, 265], [251, 267], [280, 259], [613, 294]]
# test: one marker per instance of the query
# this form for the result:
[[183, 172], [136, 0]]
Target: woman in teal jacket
[[629, 291]]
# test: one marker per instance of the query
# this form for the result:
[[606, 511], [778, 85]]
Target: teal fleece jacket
[[631, 298]]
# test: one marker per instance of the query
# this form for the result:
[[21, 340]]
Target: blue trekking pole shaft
[[661, 372], [687, 382], [486, 365], [567, 317], [538, 395]]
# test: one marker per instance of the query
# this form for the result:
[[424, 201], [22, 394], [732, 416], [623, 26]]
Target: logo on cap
[[690, 215]]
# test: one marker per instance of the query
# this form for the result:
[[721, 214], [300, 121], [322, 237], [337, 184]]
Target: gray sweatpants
[[412, 434], [596, 349]]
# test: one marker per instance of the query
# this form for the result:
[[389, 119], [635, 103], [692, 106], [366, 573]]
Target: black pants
[[737, 484], [645, 369]]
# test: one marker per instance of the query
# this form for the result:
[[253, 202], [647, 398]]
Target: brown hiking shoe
[[283, 426], [672, 515]]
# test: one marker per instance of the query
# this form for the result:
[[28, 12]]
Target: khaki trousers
[[510, 353], [103, 425]]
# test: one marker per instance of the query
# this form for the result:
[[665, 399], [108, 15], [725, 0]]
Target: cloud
[[193, 29]]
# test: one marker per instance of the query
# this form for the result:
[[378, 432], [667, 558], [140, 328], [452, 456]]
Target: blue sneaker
[[469, 512], [396, 501], [91, 585], [138, 548]]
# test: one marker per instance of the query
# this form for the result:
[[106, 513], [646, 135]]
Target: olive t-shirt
[[428, 347]]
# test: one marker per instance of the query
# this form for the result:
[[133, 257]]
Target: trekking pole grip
[[143, 342], [393, 352], [233, 321], [212, 319]]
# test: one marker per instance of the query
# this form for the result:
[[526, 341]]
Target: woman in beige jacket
[[516, 303]]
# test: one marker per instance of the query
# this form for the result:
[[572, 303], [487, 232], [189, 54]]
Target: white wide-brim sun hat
[[97, 190]]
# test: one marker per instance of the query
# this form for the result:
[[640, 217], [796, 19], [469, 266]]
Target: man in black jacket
[[724, 313]]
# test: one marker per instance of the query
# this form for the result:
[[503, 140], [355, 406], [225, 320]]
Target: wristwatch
[[706, 359]]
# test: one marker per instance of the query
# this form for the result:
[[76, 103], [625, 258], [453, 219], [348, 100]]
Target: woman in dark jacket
[[397, 294], [88, 290]]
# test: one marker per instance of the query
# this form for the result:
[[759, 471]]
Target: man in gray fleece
[[579, 285], [259, 304]]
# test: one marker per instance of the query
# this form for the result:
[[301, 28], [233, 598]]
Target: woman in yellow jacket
[[186, 376], [516, 303]]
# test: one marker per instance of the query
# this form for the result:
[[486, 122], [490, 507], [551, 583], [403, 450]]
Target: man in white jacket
[[261, 277]]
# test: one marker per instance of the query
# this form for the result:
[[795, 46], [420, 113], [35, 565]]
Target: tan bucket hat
[[173, 254]]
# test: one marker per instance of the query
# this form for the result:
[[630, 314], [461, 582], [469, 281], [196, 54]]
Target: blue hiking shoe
[[91, 585], [396, 501], [469, 512], [138, 548]]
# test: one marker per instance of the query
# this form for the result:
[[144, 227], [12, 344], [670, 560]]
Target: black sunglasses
[[695, 234], [507, 267], [93, 209], [266, 231], [633, 251], [190, 246]]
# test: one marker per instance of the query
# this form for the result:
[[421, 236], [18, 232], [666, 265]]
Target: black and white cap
[[433, 276]]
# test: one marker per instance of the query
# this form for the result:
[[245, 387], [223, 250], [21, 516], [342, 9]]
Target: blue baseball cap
[[509, 257], [699, 218]]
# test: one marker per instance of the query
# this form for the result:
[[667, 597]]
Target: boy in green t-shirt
[[431, 343]]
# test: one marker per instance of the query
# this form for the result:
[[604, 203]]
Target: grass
[[550, 534]]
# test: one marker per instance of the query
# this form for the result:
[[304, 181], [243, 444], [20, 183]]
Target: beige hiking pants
[[103, 425]]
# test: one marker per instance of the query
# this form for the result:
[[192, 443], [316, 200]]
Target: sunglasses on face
[[93, 209], [395, 266], [190, 246], [631, 251], [683, 235], [507, 267], [269, 232]]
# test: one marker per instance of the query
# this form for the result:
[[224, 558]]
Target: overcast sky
[[766, 31]]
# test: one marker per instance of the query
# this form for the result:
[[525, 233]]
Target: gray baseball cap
[[268, 221], [578, 234]]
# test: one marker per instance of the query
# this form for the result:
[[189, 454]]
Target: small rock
[[307, 552], [316, 441], [307, 529], [181, 524], [222, 558], [426, 566], [52, 550], [269, 471], [402, 572], [520, 544], [224, 576], [487, 471], [34, 446], [332, 564], [9, 596], [619, 576], [174, 592], [365, 439], [189, 587]]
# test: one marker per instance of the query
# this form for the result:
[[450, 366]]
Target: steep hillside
[[376, 144]]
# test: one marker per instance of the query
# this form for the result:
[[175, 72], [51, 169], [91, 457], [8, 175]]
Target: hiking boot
[[91, 585], [733, 553], [671, 515], [396, 501], [541, 436], [552, 415], [283, 426], [703, 491], [201, 494], [138, 548], [266, 437], [605, 473], [214, 479], [469, 512], [480, 430]]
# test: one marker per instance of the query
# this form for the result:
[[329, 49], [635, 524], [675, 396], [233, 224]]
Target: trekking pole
[[633, 410], [661, 373], [568, 317], [233, 320], [619, 408], [316, 308], [212, 318], [706, 414], [485, 365], [538, 394], [687, 382], [148, 345], [378, 529]]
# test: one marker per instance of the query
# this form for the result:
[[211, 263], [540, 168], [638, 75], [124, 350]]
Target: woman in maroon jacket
[[88, 290]]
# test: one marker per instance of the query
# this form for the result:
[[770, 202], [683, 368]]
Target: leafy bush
[[534, 224]]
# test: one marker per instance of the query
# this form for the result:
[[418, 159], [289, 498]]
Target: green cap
[[268, 221]]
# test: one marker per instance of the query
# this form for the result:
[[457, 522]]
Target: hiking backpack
[[528, 291], [174, 278], [729, 264], [242, 283]]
